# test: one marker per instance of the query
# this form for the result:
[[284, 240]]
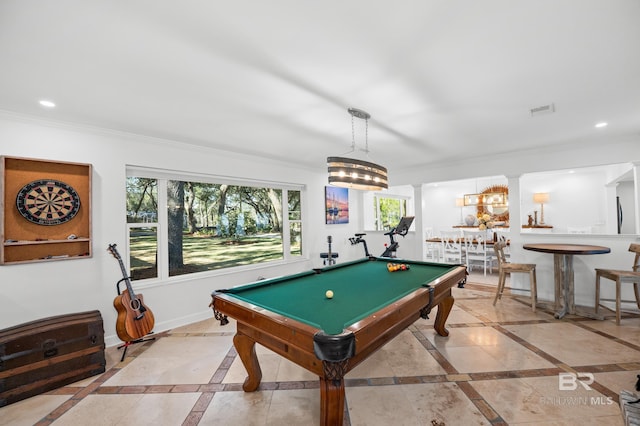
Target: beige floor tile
[[411, 405], [210, 325], [484, 349], [589, 421], [290, 372], [403, 356], [459, 316], [175, 360], [478, 277], [130, 410], [539, 400], [574, 345], [506, 309], [628, 330], [264, 408], [29, 411], [468, 292], [618, 380], [295, 407], [238, 408], [192, 354], [275, 368]]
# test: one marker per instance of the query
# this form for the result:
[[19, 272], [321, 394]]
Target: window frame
[[372, 212], [162, 176]]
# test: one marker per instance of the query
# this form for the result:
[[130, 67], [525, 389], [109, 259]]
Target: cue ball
[[329, 294]]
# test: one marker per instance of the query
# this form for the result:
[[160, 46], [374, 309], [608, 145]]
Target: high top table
[[563, 270]]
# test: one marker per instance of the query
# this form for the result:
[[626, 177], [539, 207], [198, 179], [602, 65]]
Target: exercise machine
[[390, 249], [329, 257], [401, 229], [357, 240]]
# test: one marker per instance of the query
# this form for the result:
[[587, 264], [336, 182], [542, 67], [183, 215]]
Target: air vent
[[543, 109]]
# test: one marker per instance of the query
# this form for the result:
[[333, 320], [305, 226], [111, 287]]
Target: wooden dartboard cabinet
[[29, 234]]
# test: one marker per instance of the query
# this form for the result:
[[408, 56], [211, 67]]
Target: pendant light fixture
[[354, 173]]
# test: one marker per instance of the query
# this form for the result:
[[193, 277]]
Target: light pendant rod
[[353, 173], [355, 112]]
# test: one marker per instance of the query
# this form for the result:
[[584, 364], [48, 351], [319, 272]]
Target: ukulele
[[134, 320]]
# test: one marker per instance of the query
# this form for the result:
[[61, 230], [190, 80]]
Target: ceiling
[[275, 78]]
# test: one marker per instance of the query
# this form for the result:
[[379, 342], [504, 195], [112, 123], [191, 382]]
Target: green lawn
[[204, 253]]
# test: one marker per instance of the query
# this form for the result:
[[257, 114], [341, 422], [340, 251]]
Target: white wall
[[439, 200], [575, 199], [38, 290]]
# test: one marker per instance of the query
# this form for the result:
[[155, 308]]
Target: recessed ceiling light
[[47, 104], [601, 125]]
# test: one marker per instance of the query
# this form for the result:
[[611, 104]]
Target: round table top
[[567, 248]]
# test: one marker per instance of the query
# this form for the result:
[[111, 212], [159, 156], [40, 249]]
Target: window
[[181, 226], [383, 210], [388, 210], [295, 223], [142, 221]]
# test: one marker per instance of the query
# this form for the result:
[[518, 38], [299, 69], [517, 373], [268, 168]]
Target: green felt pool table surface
[[291, 316], [360, 288]]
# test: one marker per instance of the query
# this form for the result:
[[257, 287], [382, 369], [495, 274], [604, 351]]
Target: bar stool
[[620, 276], [505, 268]]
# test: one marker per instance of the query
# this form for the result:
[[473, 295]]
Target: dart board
[[48, 202]]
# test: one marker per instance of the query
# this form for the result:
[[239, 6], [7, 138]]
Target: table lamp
[[541, 197]]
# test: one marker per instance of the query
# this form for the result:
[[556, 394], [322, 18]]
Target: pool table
[[292, 316]]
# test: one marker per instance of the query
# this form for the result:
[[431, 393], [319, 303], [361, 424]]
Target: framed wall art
[[336, 205]]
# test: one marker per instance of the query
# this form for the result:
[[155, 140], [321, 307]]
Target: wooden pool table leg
[[444, 308], [332, 393], [246, 348]]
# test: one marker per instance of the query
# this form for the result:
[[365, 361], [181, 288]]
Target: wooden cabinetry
[[46, 209]]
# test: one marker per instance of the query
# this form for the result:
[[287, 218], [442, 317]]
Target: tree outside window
[[208, 226], [388, 211]]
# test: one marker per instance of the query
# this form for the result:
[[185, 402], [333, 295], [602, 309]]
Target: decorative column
[[636, 190], [515, 228], [515, 216], [419, 244]]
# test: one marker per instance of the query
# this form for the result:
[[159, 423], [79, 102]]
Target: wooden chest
[[42, 355]]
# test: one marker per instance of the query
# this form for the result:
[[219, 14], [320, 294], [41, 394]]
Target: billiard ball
[[329, 294]]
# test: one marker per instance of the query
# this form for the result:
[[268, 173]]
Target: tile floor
[[499, 365]]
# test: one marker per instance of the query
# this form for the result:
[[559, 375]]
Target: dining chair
[[451, 243], [504, 236], [475, 248], [505, 267], [621, 276], [432, 248]]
